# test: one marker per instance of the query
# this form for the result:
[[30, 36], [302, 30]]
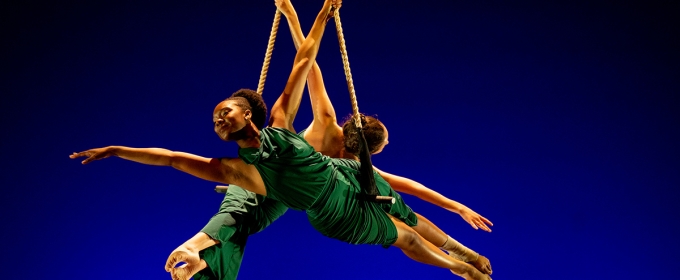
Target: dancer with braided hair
[[278, 163], [330, 139], [255, 212]]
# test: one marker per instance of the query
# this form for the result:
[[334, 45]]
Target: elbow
[[173, 159], [326, 118]]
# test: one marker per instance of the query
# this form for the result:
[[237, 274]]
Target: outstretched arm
[[284, 110], [324, 114], [414, 188], [211, 169]]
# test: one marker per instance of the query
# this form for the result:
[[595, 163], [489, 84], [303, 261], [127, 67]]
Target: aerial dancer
[[328, 138], [277, 163], [243, 213]]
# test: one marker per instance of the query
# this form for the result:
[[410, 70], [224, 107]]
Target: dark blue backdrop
[[559, 122]]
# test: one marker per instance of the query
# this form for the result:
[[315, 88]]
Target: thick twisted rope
[[348, 73], [367, 180], [265, 68], [268, 54]]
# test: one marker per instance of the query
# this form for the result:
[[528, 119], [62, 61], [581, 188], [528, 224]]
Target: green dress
[[328, 189], [241, 214]]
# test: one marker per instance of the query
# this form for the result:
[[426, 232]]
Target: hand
[[285, 7], [93, 154], [475, 220], [335, 5]]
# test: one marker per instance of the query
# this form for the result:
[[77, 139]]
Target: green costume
[[241, 214], [328, 189]]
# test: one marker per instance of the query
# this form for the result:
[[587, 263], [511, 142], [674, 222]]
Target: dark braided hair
[[248, 99], [374, 132]]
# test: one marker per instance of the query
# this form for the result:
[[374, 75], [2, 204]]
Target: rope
[[367, 181], [348, 73], [268, 54]]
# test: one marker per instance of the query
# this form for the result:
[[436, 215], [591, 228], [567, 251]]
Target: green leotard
[[326, 188], [241, 214]]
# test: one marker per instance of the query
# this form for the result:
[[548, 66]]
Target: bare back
[[327, 140]]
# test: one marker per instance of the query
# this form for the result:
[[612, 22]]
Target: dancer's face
[[229, 118]]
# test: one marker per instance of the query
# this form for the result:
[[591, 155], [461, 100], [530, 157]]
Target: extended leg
[[434, 235], [463, 253], [430, 231], [419, 249]]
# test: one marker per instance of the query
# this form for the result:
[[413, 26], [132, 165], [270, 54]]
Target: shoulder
[[279, 135], [346, 162], [277, 131], [280, 142]]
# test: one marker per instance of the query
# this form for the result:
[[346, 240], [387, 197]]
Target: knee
[[232, 219], [410, 239]]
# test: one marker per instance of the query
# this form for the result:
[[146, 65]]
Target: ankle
[[472, 272], [474, 257]]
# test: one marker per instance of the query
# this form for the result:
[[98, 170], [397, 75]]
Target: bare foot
[[476, 276], [180, 255], [192, 264], [471, 273], [186, 271], [482, 264]]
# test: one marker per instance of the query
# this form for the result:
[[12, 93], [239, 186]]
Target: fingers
[[486, 220], [482, 222], [82, 154], [478, 223], [76, 155], [483, 226]]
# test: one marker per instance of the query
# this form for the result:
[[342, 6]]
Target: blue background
[[557, 121]]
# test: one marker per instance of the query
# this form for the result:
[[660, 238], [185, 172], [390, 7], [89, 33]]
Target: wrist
[[458, 208], [113, 150], [288, 14], [455, 209]]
